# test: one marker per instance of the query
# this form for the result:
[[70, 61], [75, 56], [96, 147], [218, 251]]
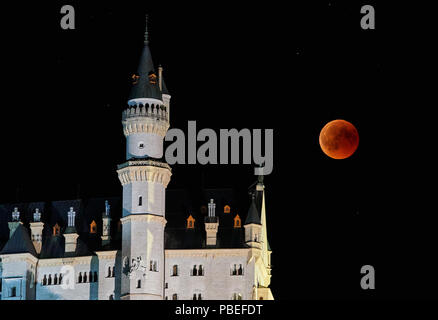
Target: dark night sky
[[292, 69]]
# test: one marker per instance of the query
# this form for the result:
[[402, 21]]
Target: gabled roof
[[19, 242]]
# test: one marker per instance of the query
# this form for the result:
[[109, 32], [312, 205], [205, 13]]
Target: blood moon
[[339, 139]]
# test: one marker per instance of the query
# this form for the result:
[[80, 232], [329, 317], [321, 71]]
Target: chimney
[[160, 77], [70, 234], [13, 225], [36, 229], [106, 225], [211, 224]]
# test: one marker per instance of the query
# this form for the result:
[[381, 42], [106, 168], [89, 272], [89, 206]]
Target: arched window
[[60, 278], [85, 277], [111, 297], [199, 296], [227, 209], [44, 280], [200, 271], [174, 296], [95, 276], [195, 271], [175, 270], [49, 281], [240, 271], [109, 272], [80, 277], [194, 296], [140, 201], [138, 284], [55, 279]]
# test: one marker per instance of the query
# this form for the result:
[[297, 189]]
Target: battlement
[[157, 111]]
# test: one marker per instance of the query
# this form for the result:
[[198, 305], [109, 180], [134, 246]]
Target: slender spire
[[146, 32]]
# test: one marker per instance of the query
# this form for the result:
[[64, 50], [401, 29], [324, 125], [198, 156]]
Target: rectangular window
[[13, 292], [138, 284], [140, 201]]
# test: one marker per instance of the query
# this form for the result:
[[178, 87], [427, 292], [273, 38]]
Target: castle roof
[[180, 203], [19, 242]]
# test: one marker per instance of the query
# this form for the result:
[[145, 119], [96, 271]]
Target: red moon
[[339, 139]]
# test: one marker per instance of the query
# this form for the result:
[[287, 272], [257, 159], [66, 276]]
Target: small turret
[[253, 226], [106, 225], [211, 224], [70, 234], [36, 228], [13, 225]]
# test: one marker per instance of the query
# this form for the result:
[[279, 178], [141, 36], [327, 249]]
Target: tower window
[[140, 201], [79, 277], [194, 271], [84, 278], [49, 282], [200, 271], [175, 270], [45, 280], [194, 296], [199, 296], [55, 279]]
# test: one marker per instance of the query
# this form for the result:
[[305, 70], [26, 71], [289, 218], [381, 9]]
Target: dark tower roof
[[253, 214], [19, 242], [146, 85]]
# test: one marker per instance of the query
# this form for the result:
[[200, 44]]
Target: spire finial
[[146, 33]]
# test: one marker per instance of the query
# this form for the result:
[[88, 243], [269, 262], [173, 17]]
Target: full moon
[[339, 139]]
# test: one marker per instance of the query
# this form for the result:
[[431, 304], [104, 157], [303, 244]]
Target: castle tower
[[36, 230], [144, 178]]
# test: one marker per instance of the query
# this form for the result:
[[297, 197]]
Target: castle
[[151, 244]]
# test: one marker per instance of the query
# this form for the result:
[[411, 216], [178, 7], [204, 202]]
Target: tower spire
[[146, 32]]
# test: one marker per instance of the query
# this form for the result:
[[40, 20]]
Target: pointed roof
[[145, 86], [19, 242], [253, 214]]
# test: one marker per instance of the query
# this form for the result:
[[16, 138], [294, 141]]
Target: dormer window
[[237, 221], [56, 230], [93, 227], [190, 222]]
